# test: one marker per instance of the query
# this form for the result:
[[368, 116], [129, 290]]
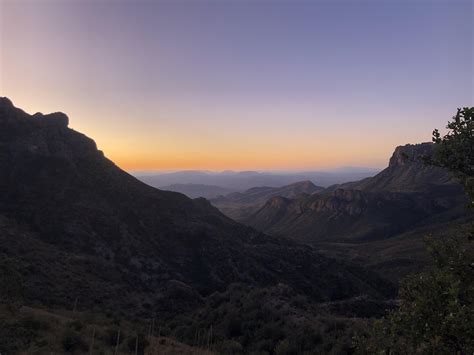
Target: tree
[[436, 307], [455, 150]]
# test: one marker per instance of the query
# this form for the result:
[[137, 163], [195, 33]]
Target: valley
[[296, 267]]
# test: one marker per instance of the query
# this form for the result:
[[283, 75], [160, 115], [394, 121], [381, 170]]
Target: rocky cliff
[[407, 194]]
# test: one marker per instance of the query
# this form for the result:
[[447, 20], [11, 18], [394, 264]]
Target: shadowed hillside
[[388, 214], [405, 195], [406, 172], [76, 229], [240, 205]]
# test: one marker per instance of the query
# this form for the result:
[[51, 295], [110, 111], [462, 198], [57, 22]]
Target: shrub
[[229, 347], [233, 326], [76, 325], [34, 324], [72, 342], [283, 348]]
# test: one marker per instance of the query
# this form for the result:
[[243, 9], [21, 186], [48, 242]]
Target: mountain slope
[[352, 214], [240, 205], [406, 172], [406, 195], [75, 226]]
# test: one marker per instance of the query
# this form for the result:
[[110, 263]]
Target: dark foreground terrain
[[88, 252], [79, 234]]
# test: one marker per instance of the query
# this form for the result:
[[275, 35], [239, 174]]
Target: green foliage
[[436, 313], [455, 150], [436, 310], [254, 320]]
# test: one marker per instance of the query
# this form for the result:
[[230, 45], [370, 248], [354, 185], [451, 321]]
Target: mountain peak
[[5, 102], [8, 112], [410, 153], [7, 109], [58, 119], [305, 184]]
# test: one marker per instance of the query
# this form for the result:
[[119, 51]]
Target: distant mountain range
[[198, 190], [244, 180], [406, 197], [241, 205], [400, 197]]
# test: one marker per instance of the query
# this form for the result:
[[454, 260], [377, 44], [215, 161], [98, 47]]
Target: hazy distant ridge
[[244, 180], [198, 190]]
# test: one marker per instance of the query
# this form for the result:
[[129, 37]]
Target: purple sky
[[241, 84]]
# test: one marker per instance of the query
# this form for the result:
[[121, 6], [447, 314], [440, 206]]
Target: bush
[[31, 323], [283, 348], [76, 325], [233, 326], [271, 331], [73, 342], [229, 347]]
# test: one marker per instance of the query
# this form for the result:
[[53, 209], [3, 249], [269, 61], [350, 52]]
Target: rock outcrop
[[406, 172], [406, 194]]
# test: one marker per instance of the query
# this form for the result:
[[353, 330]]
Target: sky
[[265, 85]]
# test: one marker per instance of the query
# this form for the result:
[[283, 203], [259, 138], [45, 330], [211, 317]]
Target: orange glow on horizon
[[137, 148], [162, 89]]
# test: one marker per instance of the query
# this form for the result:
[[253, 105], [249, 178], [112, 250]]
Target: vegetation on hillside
[[273, 320], [436, 310], [94, 261], [37, 331]]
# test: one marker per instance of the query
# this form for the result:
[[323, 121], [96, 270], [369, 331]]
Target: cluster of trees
[[268, 320], [436, 310]]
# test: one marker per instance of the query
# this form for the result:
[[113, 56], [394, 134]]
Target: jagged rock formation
[[75, 226], [406, 172]]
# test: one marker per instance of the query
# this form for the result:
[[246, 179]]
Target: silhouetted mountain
[[75, 226], [240, 205], [198, 190]]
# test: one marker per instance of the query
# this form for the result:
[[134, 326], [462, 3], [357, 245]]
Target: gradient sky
[[241, 84]]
